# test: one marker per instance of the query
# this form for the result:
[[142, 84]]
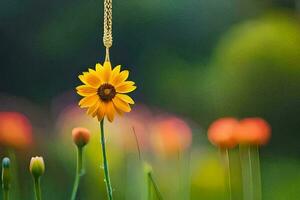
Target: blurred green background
[[197, 59]]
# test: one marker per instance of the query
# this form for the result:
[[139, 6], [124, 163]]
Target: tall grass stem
[[257, 188], [226, 163], [155, 186], [149, 187], [5, 195], [250, 163]]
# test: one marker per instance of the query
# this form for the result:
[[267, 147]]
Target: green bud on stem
[[37, 169], [6, 176], [37, 166]]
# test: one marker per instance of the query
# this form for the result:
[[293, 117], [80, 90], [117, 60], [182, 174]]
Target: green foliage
[[256, 72], [256, 66]]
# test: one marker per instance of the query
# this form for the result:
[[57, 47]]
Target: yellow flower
[[104, 91]]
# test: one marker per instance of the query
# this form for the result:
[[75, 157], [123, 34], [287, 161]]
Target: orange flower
[[253, 131], [81, 136], [171, 135], [132, 130], [222, 132], [15, 130]]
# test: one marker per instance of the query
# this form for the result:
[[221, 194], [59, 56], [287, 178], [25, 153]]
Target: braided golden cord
[[107, 31]]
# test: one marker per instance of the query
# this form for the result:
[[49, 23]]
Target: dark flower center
[[106, 92]]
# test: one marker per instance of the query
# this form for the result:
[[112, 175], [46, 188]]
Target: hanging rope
[[107, 31]]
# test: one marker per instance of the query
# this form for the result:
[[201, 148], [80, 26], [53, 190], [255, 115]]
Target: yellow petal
[[81, 77], [106, 72], [125, 98], [120, 77], [98, 67], [125, 87], [91, 70], [91, 79], [121, 105], [85, 90], [120, 112], [107, 64], [125, 83], [114, 74], [101, 111], [110, 111], [88, 101], [93, 109], [97, 74]]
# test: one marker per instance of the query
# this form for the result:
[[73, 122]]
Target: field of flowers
[[180, 100]]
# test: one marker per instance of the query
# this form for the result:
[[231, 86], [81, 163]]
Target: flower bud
[[221, 132], [37, 166], [147, 168], [81, 136], [254, 131], [6, 173]]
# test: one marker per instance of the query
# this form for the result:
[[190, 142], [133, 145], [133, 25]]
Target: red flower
[[253, 131], [171, 135], [222, 132], [15, 130]]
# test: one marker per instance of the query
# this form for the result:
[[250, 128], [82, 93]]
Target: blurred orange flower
[[171, 135], [15, 130], [253, 131], [133, 129], [81, 136], [222, 132]]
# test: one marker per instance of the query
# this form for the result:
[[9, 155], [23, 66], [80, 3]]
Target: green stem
[[149, 188], [156, 189], [105, 163], [15, 189], [245, 159], [256, 173], [250, 163], [180, 182], [79, 172], [37, 187], [5, 195], [226, 162]]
